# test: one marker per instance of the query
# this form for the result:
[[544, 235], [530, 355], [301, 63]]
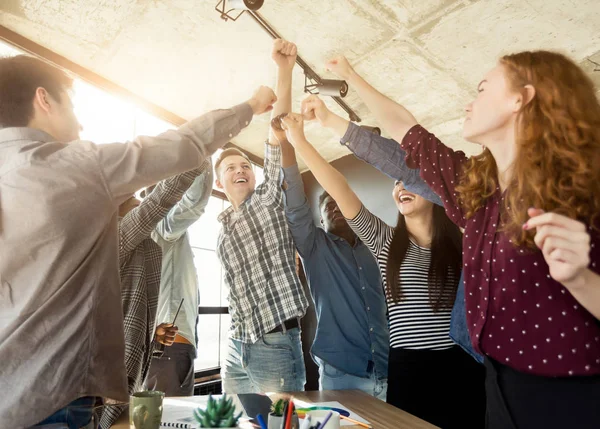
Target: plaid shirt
[[257, 252], [140, 267]]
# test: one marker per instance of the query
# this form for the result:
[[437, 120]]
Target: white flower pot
[[275, 421]]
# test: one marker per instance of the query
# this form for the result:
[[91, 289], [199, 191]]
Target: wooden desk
[[378, 413]]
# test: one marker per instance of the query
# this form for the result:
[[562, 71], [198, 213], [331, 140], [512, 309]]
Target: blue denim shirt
[[346, 287], [387, 156]]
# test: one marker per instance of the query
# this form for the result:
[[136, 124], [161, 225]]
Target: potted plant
[[219, 413], [276, 415]]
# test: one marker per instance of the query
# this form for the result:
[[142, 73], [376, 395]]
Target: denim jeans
[[458, 323], [331, 378], [78, 414], [274, 363]]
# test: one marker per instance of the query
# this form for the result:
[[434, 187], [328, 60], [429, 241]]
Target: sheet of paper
[[181, 410], [353, 415]]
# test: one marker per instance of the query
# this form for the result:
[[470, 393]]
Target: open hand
[[165, 333], [284, 54], [564, 242]]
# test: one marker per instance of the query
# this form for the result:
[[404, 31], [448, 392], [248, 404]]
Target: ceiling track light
[[330, 87], [242, 5], [312, 79], [374, 130]]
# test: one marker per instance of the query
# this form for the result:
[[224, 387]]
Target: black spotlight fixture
[[330, 87], [333, 88], [374, 130], [232, 5]]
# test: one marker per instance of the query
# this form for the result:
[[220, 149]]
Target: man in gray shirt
[[61, 319]]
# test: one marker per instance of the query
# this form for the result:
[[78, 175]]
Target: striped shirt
[[413, 323], [258, 255]]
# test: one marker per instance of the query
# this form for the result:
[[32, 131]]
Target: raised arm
[[191, 206], [396, 119], [297, 212], [141, 221], [147, 160], [284, 56], [329, 178], [383, 154]]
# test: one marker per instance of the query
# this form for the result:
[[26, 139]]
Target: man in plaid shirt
[[256, 249], [140, 261]]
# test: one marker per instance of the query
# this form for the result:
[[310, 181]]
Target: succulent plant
[[278, 407], [219, 413]]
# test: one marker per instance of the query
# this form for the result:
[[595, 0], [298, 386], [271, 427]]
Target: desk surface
[[378, 413]]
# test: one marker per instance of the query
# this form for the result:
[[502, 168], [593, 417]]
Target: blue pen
[[261, 421]]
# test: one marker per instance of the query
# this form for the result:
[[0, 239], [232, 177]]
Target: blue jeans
[[274, 363], [78, 414], [331, 378], [458, 323]]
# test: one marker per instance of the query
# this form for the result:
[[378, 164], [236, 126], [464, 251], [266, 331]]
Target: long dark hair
[[446, 261]]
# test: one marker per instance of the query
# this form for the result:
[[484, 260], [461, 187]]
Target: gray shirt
[[61, 319]]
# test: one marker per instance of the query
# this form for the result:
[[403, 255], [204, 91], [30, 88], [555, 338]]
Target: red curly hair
[[557, 165]]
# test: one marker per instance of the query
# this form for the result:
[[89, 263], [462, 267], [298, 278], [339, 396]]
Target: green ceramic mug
[[145, 409]]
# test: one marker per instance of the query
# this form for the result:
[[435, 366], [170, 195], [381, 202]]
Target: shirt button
[[230, 135], [371, 329], [360, 268], [363, 288], [247, 122], [372, 350], [368, 308]]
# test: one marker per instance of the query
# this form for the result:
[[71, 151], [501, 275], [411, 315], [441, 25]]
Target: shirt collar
[[26, 134]]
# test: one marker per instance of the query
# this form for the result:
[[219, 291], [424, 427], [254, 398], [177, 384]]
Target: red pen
[[288, 423]]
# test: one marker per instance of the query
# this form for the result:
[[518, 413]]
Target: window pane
[[205, 231], [212, 340], [208, 269], [258, 172], [225, 322], [208, 342]]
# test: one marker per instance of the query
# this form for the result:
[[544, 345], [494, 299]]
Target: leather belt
[[289, 324]]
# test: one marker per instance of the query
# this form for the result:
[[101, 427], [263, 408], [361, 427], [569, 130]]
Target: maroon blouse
[[516, 313]]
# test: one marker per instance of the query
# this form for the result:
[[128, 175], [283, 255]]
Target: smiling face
[[236, 178], [409, 204]]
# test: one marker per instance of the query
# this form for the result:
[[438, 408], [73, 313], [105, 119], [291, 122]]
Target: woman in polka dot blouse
[[529, 204]]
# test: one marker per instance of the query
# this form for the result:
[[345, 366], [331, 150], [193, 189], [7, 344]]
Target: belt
[[288, 324]]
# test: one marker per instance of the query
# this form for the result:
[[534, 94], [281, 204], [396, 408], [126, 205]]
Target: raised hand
[[314, 108], [262, 101], [293, 124], [165, 333], [340, 66], [284, 54], [564, 242]]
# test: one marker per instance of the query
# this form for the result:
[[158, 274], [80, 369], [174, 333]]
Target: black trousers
[[518, 400], [444, 387], [173, 372]]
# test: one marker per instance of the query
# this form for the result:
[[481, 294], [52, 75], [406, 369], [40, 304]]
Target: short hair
[[225, 154], [322, 198], [20, 77]]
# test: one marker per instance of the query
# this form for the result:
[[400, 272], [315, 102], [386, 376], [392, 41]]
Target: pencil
[[176, 314], [356, 422]]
